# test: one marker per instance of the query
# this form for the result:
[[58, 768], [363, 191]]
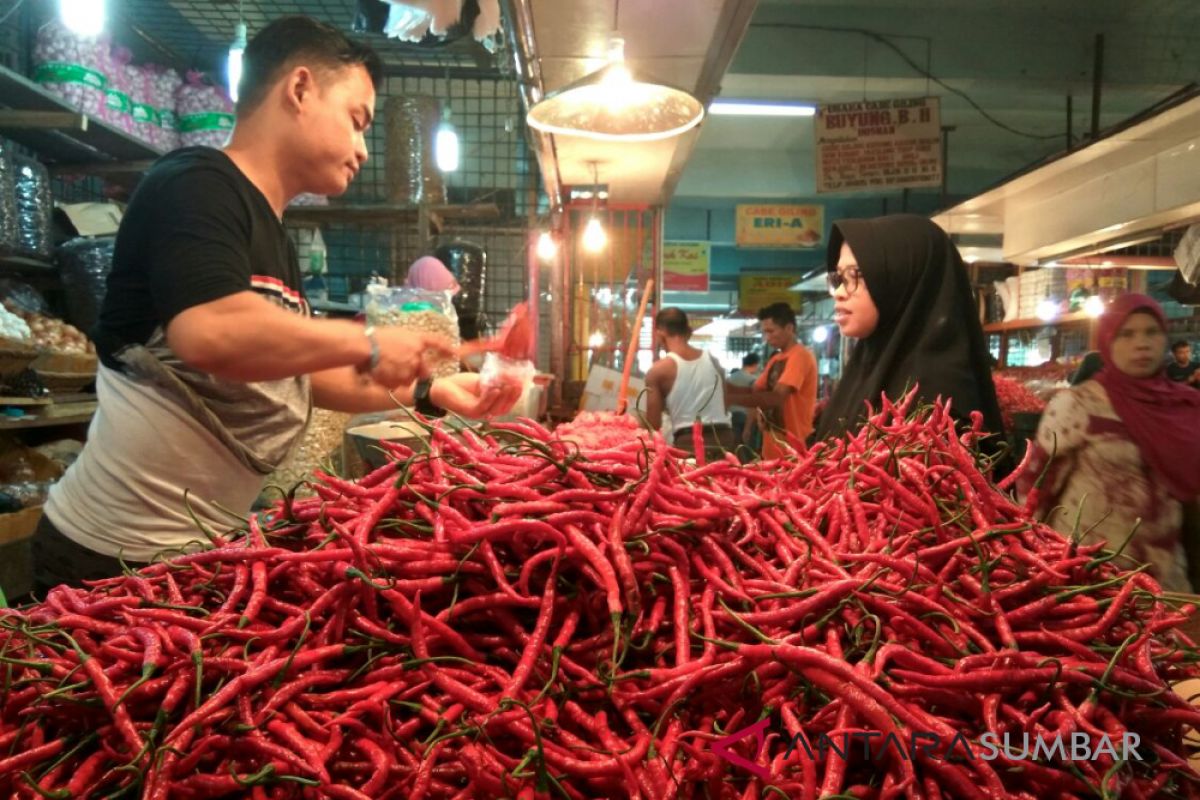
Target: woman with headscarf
[[901, 290], [1119, 455], [432, 275]]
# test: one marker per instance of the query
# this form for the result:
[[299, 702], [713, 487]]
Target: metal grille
[[496, 168], [597, 294], [485, 109], [200, 31]]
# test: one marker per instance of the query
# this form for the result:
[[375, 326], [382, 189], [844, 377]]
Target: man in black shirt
[[1181, 369], [210, 360]]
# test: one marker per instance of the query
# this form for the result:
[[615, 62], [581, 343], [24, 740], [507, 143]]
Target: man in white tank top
[[689, 385]]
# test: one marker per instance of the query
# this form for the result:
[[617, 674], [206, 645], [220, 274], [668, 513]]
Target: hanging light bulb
[[445, 146], [594, 237], [547, 248], [83, 17], [1047, 310], [596, 340], [1093, 306], [820, 334], [233, 66]]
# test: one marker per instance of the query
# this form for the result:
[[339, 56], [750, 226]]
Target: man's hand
[[406, 356], [464, 395]]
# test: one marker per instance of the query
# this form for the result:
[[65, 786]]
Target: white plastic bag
[[1187, 255]]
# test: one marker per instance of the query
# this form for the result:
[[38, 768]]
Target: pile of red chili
[[1015, 398], [504, 615]]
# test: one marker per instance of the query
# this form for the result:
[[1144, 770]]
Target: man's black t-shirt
[[196, 230], [1181, 373]]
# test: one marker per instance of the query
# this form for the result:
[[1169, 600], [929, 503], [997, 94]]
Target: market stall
[[552, 600]]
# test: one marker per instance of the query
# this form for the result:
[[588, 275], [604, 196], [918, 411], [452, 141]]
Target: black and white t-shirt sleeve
[[197, 242]]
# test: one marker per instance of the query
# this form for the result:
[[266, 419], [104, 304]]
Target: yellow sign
[[780, 225], [760, 291], [685, 266]]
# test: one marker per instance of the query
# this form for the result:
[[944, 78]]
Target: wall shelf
[[1074, 318], [26, 264], [388, 214], [58, 133]]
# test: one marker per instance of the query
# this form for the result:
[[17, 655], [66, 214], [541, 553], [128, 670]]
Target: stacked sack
[[74, 68], [34, 207], [119, 91], [205, 112], [9, 232], [162, 85], [100, 80]]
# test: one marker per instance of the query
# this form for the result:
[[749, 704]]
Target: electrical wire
[[16, 7], [922, 71]]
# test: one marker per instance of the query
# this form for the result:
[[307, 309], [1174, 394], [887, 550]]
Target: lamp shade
[[615, 104]]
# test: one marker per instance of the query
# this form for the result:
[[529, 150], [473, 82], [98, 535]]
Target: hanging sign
[[760, 291], [773, 225], [685, 266], [879, 144]]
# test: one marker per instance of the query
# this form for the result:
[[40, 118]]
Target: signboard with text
[[775, 225], [879, 144], [760, 291], [685, 266]]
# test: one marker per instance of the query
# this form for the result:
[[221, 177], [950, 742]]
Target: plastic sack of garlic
[[418, 310]]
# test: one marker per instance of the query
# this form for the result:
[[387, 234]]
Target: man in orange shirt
[[786, 390]]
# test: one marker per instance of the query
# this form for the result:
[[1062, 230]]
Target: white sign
[[879, 144]]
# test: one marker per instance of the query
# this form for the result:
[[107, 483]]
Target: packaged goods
[[418, 310], [34, 207], [204, 112], [72, 67]]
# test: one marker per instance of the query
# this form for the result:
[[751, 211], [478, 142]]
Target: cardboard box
[[603, 390]]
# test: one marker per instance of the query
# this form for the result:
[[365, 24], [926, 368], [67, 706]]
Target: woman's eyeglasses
[[850, 277]]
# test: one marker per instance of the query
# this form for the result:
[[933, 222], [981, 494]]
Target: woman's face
[[853, 309], [1139, 345]]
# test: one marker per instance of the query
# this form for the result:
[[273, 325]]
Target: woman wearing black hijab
[[900, 289]]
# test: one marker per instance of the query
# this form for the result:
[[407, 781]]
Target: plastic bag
[[22, 297], [164, 83], [204, 111], [118, 93], [72, 67], [418, 310], [85, 263], [500, 371], [34, 207], [9, 234]]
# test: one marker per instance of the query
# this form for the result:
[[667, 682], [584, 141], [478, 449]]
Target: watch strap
[[372, 362], [421, 401]]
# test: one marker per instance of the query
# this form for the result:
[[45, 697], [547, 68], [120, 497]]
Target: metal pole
[[1097, 82], [946, 131], [1070, 122]]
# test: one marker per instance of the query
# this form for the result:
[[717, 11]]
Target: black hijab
[[928, 331]]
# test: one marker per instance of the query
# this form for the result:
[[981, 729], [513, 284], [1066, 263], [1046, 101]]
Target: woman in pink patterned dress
[[1121, 451]]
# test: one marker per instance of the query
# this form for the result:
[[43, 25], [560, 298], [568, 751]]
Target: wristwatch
[[373, 359], [421, 401]]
